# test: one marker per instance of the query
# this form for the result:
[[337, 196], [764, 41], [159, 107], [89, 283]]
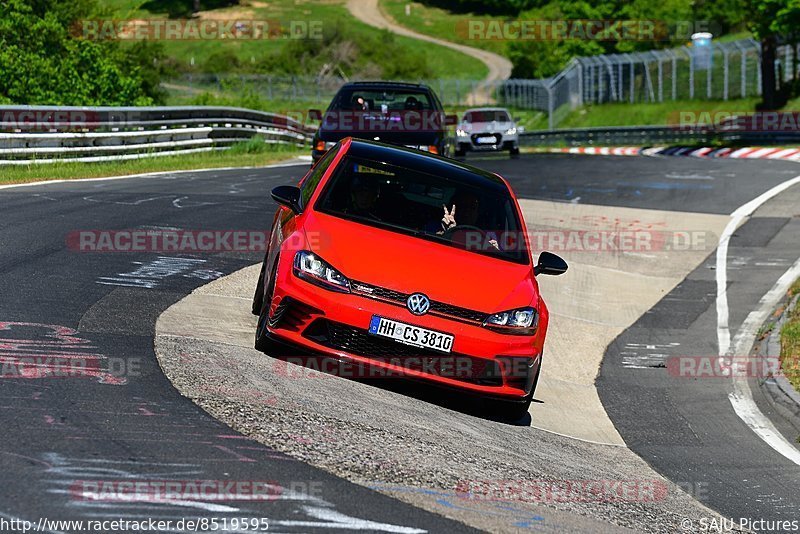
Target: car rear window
[[383, 100], [487, 116], [408, 201]]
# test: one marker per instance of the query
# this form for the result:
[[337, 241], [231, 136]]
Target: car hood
[[410, 264]]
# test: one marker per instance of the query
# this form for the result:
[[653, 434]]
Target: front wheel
[[263, 341], [514, 410], [514, 152], [258, 296]]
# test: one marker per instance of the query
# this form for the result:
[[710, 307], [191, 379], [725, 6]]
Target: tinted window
[[413, 202], [487, 116], [311, 181], [383, 100]]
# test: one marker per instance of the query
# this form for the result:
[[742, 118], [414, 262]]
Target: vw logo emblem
[[418, 304]]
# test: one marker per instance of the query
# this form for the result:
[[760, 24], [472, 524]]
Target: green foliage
[[42, 61], [374, 54], [724, 16], [674, 20]]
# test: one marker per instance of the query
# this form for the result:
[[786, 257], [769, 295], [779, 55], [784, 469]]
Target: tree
[[769, 20], [45, 60]]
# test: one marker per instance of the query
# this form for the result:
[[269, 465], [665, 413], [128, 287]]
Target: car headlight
[[461, 132], [315, 270], [511, 131], [522, 321]]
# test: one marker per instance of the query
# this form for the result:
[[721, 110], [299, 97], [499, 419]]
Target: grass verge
[[247, 154], [790, 342], [656, 113]]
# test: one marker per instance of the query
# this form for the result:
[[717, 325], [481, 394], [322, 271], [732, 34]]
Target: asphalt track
[[126, 421]]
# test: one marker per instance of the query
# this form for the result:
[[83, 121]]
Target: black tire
[[258, 296], [460, 153], [514, 152], [263, 342], [514, 410]]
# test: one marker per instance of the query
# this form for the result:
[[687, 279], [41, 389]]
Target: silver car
[[487, 129]]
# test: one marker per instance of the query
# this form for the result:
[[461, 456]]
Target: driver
[[468, 213], [364, 194]]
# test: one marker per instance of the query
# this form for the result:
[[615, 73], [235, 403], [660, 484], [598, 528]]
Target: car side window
[[312, 180]]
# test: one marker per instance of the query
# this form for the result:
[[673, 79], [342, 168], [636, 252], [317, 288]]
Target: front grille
[[399, 299], [359, 342]]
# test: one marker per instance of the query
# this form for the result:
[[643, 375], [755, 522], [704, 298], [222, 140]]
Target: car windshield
[[382, 100], [469, 216], [487, 115]]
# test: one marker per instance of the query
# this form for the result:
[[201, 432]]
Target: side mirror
[[551, 264], [315, 115], [451, 120], [289, 196]]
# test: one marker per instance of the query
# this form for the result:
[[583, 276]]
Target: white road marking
[[644, 355], [742, 398], [328, 518]]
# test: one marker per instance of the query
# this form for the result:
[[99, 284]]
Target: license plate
[[410, 334], [487, 140]]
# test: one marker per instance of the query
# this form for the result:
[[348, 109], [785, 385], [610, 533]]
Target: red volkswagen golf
[[410, 264]]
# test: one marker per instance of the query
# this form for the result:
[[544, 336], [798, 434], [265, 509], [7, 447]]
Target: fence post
[[674, 77], [611, 83], [725, 73], [660, 78], [632, 79], [758, 68], [550, 108], [691, 75], [743, 59], [600, 87]]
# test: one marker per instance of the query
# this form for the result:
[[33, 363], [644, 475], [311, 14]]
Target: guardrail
[[41, 134], [656, 135], [616, 136]]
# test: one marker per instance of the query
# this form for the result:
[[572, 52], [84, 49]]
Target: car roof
[[428, 163], [485, 109], [379, 83]]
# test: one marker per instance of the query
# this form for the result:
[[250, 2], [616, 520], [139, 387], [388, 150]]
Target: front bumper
[[335, 325], [502, 142]]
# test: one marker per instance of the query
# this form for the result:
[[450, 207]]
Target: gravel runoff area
[[404, 439]]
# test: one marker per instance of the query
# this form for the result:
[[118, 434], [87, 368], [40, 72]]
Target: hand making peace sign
[[449, 219]]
